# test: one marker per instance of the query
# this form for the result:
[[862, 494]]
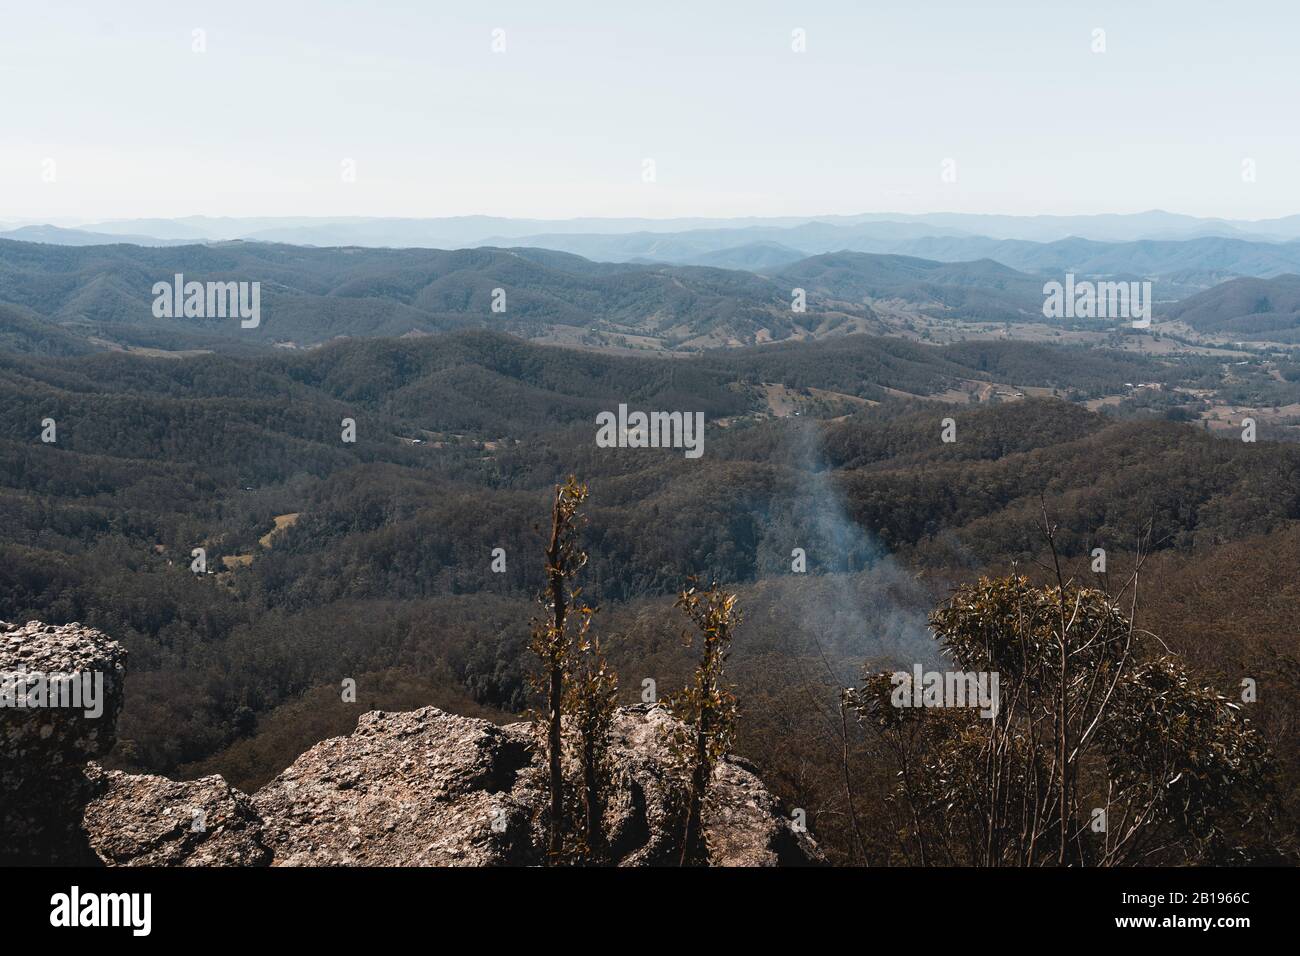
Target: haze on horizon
[[560, 123]]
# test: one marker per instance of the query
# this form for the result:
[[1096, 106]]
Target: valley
[[366, 552]]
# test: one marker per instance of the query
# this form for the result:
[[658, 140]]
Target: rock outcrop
[[144, 820], [431, 788], [60, 694], [423, 788]]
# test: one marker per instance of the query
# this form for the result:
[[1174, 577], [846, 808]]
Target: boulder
[[60, 694], [145, 820], [431, 788], [421, 788]]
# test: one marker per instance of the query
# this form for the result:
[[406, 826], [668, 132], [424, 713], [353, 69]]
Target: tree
[[707, 707], [1102, 751], [550, 641], [590, 704]]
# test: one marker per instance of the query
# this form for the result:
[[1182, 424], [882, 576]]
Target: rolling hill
[[983, 290], [1246, 309], [66, 299], [311, 295], [102, 295]]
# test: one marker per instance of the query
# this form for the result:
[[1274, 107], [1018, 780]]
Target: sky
[[406, 109]]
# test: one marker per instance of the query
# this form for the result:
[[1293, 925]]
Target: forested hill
[[497, 385], [62, 300], [1246, 309], [309, 295], [371, 559], [983, 289]]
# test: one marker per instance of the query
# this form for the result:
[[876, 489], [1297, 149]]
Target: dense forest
[[375, 559]]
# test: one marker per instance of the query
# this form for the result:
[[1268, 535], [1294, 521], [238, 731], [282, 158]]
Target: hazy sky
[[560, 123]]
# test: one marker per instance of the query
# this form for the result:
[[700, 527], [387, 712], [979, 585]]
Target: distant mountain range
[[59, 236], [1184, 266], [1185, 255], [57, 298], [461, 231], [67, 299]]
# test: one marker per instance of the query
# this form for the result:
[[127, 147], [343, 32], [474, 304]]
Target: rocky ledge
[[422, 788], [60, 693]]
